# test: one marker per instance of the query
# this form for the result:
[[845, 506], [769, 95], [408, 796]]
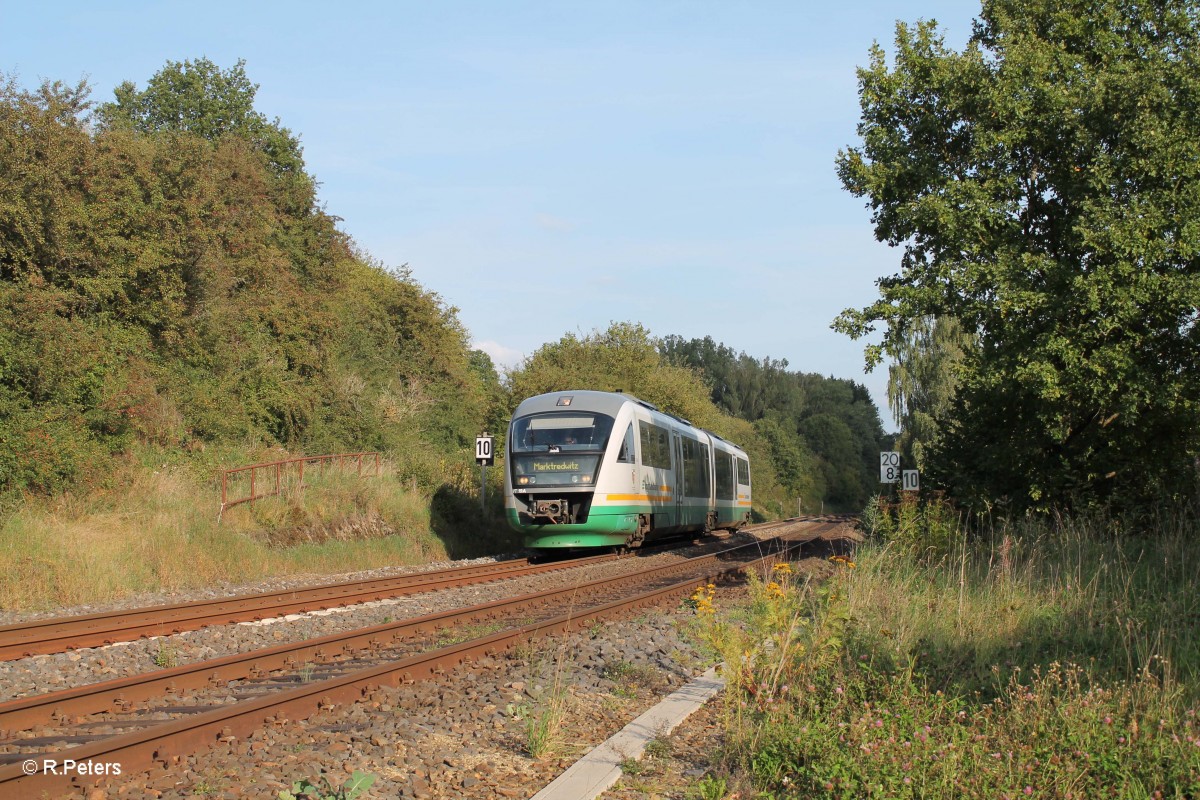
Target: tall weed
[[1053, 659]]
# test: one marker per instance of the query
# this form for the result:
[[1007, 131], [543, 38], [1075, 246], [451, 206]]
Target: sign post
[[485, 456], [889, 467]]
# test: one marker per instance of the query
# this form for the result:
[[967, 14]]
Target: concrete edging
[[593, 774]]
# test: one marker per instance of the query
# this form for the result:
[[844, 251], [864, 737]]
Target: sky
[[553, 167]]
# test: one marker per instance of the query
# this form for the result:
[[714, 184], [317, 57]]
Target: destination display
[[553, 470]]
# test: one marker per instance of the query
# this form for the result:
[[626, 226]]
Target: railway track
[[56, 635], [59, 634], [146, 720]]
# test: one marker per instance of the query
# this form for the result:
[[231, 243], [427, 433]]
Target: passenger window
[[626, 454], [656, 445]]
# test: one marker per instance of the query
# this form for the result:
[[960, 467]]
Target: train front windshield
[[557, 449]]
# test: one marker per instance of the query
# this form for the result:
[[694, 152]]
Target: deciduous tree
[[1044, 187]]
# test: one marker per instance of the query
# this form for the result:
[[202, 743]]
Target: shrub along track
[[184, 709]]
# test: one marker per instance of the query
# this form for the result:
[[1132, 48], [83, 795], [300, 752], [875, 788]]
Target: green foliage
[[305, 789], [823, 434], [1043, 185], [1051, 661], [622, 358], [200, 99], [163, 284], [925, 528], [922, 380]]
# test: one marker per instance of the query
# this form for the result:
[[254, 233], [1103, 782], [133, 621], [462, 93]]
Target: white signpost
[[485, 456], [889, 467], [912, 480], [483, 450]]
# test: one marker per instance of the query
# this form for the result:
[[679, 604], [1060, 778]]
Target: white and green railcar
[[604, 469]]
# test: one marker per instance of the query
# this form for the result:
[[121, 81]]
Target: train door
[[680, 479]]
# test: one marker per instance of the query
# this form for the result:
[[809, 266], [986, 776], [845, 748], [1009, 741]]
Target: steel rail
[[55, 635], [119, 693], [59, 634], [162, 744]]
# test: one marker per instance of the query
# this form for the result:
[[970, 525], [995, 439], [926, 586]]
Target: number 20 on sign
[[889, 467]]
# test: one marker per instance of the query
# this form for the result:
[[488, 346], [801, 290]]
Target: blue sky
[[552, 167]]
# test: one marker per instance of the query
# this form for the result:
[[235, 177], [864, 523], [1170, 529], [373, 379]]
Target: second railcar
[[603, 469]]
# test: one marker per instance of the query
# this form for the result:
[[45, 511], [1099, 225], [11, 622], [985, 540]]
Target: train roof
[[605, 403]]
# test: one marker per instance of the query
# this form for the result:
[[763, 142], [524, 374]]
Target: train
[[591, 469]]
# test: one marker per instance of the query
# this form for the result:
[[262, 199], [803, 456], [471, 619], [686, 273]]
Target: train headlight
[[523, 481], [587, 479], [574, 479]]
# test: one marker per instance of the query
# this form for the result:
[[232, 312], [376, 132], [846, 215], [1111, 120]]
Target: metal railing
[[277, 474]]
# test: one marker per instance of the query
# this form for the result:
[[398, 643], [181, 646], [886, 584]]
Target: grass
[[1046, 660], [158, 532], [549, 660]]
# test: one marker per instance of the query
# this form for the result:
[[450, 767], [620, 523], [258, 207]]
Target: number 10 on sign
[[889, 467]]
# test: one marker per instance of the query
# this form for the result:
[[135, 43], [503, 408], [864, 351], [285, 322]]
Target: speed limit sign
[[889, 467], [484, 454]]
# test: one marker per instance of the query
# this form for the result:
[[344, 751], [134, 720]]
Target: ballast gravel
[[476, 732], [471, 734], [55, 671]]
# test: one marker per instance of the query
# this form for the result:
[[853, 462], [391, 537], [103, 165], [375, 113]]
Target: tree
[[199, 98], [1044, 184], [922, 380]]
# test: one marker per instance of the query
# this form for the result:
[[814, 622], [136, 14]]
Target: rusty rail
[[277, 472], [165, 743]]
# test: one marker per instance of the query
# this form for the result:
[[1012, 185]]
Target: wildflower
[[783, 568], [1028, 790]]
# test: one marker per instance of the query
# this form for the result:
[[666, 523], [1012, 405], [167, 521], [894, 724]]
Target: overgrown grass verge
[[1045, 661], [158, 532]]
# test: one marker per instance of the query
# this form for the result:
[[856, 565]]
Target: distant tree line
[[823, 434]]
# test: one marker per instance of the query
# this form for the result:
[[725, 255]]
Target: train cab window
[[626, 454], [562, 432], [553, 449], [743, 472]]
